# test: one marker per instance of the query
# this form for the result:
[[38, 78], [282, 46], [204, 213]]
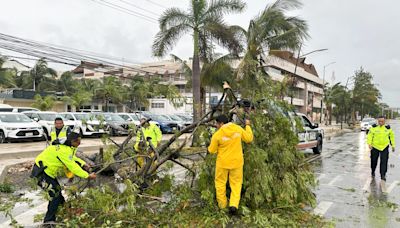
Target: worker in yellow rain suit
[[151, 132], [51, 163], [227, 143]]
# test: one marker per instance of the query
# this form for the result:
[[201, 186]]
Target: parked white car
[[17, 126], [9, 108], [86, 122], [46, 120], [367, 123]]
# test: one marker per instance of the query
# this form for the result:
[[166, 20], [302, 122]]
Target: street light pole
[[323, 89]]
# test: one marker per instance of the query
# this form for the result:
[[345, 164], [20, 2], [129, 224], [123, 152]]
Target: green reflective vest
[[152, 131], [380, 137], [61, 158], [62, 135]]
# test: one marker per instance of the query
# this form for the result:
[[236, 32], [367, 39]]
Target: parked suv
[[86, 122], [16, 126], [166, 125], [311, 137], [46, 120]]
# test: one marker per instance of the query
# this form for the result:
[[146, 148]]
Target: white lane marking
[[321, 176], [392, 186], [26, 218], [367, 184], [334, 180], [322, 207]]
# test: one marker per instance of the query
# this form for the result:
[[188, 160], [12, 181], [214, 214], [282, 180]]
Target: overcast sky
[[356, 32]]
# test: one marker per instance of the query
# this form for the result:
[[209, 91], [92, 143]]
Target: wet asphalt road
[[346, 192]]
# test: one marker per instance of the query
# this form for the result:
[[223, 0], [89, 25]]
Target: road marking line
[[392, 186], [321, 176], [367, 184], [322, 208], [334, 180], [26, 218]]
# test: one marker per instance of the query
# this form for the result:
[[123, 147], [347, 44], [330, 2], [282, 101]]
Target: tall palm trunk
[[196, 78]]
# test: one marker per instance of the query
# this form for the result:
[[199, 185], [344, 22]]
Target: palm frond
[[173, 17], [166, 39], [221, 7]]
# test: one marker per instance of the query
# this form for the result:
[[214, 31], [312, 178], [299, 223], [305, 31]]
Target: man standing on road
[[51, 163], [379, 138], [227, 143], [59, 132], [151, 133]]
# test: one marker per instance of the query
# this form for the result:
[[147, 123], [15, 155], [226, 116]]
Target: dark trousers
[[54, 189], [384, 161]]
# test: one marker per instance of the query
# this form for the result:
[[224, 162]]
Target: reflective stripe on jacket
[[62, 135]]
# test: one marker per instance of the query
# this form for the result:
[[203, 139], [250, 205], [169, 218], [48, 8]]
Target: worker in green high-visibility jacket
[[53, 162], [380, 137], [152, 133]]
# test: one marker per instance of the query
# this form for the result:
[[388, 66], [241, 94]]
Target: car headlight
[[11, 128]]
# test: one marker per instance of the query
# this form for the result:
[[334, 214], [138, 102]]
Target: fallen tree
[[277, 188]]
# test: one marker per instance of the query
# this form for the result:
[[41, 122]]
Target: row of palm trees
[[133, 92], [272, 29]]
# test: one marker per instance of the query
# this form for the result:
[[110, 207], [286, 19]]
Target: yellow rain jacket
[[59, 158], [152, 131], [379, 137], [227, 143]]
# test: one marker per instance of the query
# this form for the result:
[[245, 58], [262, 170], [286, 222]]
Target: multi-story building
[[305, 85]]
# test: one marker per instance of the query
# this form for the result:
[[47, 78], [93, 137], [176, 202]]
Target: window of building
[[157, 105]]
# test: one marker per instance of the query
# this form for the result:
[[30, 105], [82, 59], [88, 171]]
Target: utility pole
[[323, 89]]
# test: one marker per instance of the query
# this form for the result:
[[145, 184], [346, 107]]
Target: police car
[[311, 137]]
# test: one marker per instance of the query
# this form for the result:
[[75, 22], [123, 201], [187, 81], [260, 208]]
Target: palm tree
[[140, 89], [78, 98], [269, 31], [110, 89], [44, 104], [67, 84], [7, 76], [37, 74], [204, 21]]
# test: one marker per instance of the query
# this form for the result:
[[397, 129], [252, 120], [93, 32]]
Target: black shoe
[[373, 175], [233, 211], [383, 178]]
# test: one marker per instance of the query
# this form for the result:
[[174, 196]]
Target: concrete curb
[[34, 153]]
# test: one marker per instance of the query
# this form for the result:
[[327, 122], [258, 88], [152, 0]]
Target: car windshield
[[82, 116], [6, 118], [368, 120], [47, 116], [157, 117], [135, 117], [176, 118], [112, 117]]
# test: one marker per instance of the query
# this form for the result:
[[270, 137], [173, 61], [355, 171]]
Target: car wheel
[[318, 148], [2, 137], [45, 136]]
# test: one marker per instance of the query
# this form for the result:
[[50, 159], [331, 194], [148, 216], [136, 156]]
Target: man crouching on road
[[379, 138], [51, 163], [227, 143]]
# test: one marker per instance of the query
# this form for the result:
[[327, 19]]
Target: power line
[[138, 7], [58, 55], [125, 10], [157, 4]]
